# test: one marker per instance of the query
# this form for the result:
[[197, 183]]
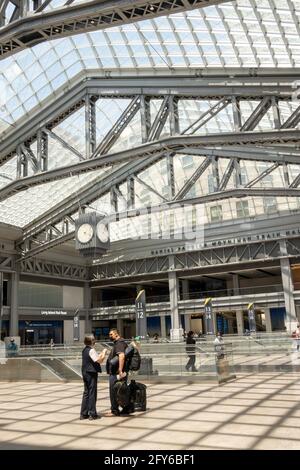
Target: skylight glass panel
[[244, 33]]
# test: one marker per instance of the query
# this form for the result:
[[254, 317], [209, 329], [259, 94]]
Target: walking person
[[191, 351], [219, 346], [91, 361], [297, 336], [116, 370]]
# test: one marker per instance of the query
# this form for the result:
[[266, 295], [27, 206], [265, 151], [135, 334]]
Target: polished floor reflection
[[253, 412]]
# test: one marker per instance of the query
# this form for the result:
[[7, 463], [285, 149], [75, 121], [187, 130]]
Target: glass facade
[[40, 295]]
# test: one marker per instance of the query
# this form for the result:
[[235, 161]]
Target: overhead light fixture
[[56, 30], [151, 8]]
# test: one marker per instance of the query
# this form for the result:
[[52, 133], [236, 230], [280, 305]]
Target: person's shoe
[[194, 369], [91, 418], [125, 412], [83, 417], [186, 368]]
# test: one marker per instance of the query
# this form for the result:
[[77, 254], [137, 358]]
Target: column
[[286, 275], [268, 320], [185, 289], [236, 284], [187, 321], [240, 322], [120, 326], [214, 320], [176, 331], [87, 303], [163, 330], [14, 305], [230, 326]]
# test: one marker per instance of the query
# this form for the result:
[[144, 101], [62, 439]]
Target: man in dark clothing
[[90, 368], [191, 351], [116, 372]]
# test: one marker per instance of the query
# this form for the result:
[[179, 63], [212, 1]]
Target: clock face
[[102, 232], [85, 233]]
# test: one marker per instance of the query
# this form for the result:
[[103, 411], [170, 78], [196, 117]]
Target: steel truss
[[86, 89], [277, 145], [7, 263], [41, 268], [195, 260], [31, 23]]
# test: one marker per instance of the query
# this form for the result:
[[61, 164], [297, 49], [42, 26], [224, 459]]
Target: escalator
[[60, 368]]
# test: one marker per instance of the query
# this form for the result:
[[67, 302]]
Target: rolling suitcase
[[138, 396]]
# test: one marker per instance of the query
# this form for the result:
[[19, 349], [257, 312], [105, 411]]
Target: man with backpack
[[117, 371]]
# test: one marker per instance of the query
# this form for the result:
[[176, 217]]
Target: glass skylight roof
[[245, 33]]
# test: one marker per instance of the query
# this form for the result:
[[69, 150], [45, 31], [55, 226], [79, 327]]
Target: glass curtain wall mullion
[[232, 41], [246, 32], [145, 42], [92, 45], [283, 37], [77, 52], [212, 37], [187, 62], [264, 32], [127, 44], [162, 44], [112, 50], [201, 52], [294, 19]]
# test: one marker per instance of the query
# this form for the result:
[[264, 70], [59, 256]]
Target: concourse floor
[[259, 411]]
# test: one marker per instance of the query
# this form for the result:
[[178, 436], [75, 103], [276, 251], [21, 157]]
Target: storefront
[[101, 328], [41, 332]]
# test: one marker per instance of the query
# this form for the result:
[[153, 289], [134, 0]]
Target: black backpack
[[122, 393], [133, 358]]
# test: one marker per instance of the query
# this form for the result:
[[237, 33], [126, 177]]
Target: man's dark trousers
[[113, 399], [191, 362], [89, 398]]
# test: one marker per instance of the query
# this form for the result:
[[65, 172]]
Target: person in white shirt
[[219, 346], [91, 361]]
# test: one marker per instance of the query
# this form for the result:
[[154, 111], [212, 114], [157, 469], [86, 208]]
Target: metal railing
[[155, 365], [242, 291]]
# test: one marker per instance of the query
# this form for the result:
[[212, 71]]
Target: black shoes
[[91, 418], [125, 413]]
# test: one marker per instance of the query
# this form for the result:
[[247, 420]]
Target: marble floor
[[252, 412]]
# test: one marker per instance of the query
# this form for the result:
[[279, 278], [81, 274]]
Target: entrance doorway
[[129, 328], [197, 323], [29, 337], [40, 332]]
